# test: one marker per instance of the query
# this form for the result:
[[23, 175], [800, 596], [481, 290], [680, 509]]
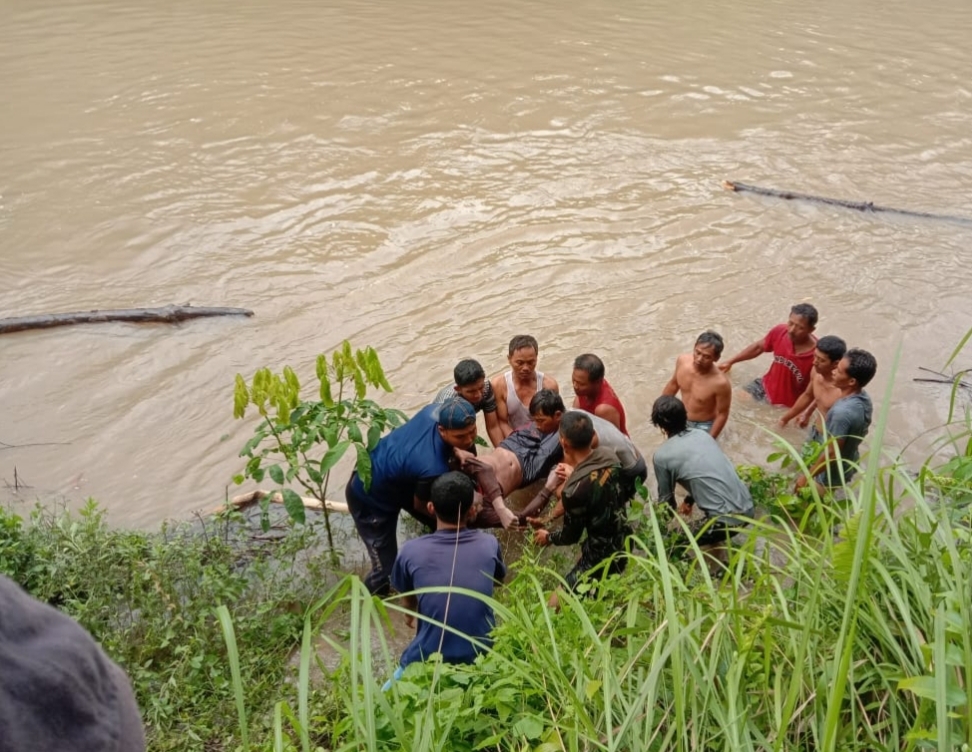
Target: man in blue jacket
[[403, 466]]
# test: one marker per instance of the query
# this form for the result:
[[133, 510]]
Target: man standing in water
[[706, 391], [792, 345], [847, 422], [515, 388], [593, 392], [821, 392]]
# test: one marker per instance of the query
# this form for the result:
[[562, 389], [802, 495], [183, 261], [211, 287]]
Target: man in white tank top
[[515, 388]]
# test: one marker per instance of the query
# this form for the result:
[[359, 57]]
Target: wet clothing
[[755, 389], [702, 425], [487, 405], [594, 503], [848, 419], [789, 374], [694, 460], [519, 414], [606, 396], [403, 466], [468, 559], [536, 452]]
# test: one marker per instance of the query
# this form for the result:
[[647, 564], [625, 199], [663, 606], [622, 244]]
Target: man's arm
[[671, 388], [575, 519], [541, 501], [493, 429], [829, 454], [723, 402], [502, 413], [753, 351], [411, 603], [802, 403], [609, 413], [485, 477]]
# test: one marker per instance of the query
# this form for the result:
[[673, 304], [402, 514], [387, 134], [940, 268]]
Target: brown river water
[[431, 178]]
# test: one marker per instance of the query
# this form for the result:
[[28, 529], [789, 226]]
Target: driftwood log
[[254, 497], [169, 314], [864, 206]]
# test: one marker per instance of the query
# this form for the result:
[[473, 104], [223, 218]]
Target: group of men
[[429, 466]]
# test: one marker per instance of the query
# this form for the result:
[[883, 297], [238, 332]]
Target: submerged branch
[[169, 314]]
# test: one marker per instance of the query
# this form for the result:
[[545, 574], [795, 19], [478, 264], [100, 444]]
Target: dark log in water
[[169, 314], [863, 206]]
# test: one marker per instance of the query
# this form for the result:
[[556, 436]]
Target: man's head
[[452, 497], [707, 351], [830, 350], [588, 375], [855, 370], [457, 423], [802, 322], [546, 409], [576, 431], [470, 380], [523, 355], [668, 413]]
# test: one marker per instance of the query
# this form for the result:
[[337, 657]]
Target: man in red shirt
[[792, 345], [594, 394]]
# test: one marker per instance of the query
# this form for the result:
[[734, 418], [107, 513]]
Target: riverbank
[[832, 626]]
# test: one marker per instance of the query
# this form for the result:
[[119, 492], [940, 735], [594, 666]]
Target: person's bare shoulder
[[498, 382], [549, 382]]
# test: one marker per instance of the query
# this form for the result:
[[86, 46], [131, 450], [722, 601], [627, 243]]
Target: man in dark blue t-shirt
[[403, 466], [451, 557]]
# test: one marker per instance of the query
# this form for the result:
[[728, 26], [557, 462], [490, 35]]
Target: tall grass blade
[[229, 636]]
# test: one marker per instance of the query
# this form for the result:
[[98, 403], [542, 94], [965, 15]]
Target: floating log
[[864, 206], [254, 497], [169, 314]]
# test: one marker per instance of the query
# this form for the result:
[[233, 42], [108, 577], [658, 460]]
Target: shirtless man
[[706, 391], [515, 388], [593, 392], [821, 392], [520, 459]]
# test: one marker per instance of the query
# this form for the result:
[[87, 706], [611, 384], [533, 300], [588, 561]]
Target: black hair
[[833, 347], [668, 413], [590, 364], [577, 428], [806, 311], [861, 366], [523, 340], [468, 372], [452, 496], [546, 402], [713, 339]]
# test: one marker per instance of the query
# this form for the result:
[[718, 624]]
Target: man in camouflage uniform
[[593, 502]]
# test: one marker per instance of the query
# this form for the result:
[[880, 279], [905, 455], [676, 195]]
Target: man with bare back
[[515, 388], [706, 391], [821, 392]]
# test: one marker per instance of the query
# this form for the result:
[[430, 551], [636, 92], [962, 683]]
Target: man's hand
[[725, 367], [410, 620], [801, 482], [803, 420], [462, 455], [536, 522], [685, 508], [558, 475], [783, 421], [541, 537]]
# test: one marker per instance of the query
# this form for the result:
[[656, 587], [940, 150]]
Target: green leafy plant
[[301, 441]]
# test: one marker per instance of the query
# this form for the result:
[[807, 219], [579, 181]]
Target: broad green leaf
[[363, 466], [374, 434], [354, 433], [238, 479], [924, 686], [333, 455], [277, 474], [294, 506], [528, 726]]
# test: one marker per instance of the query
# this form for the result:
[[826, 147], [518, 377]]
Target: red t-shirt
[[606, 397], [789, 375]]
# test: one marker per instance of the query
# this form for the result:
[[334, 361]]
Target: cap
[[456, 413]]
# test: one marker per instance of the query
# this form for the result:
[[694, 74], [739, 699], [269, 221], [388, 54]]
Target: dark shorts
[[755, 388], [537, 453]]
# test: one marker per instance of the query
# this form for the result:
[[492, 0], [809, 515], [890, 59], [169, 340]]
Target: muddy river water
[[431, 178]]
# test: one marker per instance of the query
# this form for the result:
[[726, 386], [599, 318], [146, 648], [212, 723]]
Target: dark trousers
[[379, 533]]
